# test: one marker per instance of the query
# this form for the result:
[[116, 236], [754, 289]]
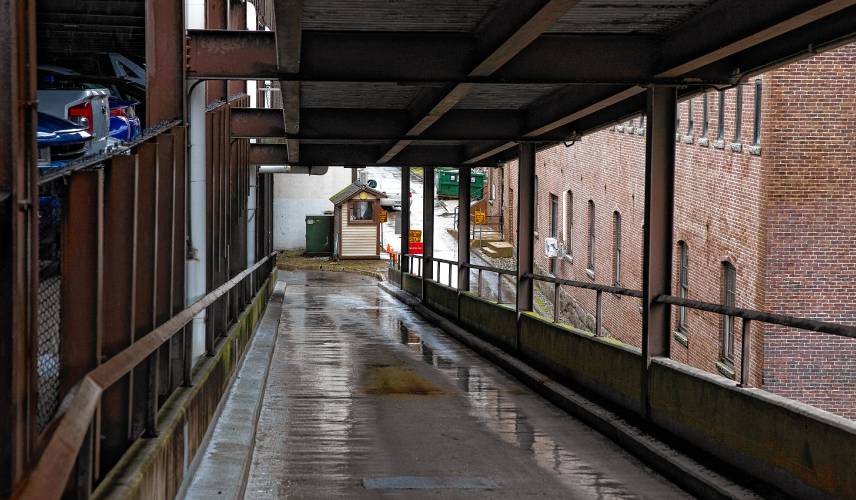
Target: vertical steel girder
[[525, 226], [658, 227], [464, 195], [216, 18], [165, 48], [427, 226], [405, 219]]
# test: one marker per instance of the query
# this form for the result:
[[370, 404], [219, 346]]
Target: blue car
[[60, 141], [125, 125]]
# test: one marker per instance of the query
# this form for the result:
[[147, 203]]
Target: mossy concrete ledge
[[442, 298], [496, 323], [412, 284], [153, 468]]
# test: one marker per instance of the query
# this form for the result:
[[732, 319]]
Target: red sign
[[416, 247]]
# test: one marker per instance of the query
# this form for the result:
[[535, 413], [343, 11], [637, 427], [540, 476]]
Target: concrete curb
[[226, 453], [684, 471]]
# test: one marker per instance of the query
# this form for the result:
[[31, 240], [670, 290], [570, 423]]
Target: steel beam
[[289, 35], [427, 226], [165, 53], [658, 227], [506, 42], [224, 54], [405, 219], [257, 123], [216, 18], [120, 193], [464, 199], [357, 155], [525, 227]]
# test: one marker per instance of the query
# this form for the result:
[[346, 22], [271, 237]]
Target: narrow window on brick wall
[[720, 117], [678, 118], [756, 126], [729, 291], [683, 285], [642, 122], [690, 119], [492, 192], [537, 203], [590, 263], [569, 223], [738, 113], [705, 118], [616, 248], [554, 230]]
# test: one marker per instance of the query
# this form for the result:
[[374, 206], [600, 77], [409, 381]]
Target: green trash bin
[[447, 183], [319, 235]]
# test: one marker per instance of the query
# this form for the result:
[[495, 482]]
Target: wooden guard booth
[[357, 222]]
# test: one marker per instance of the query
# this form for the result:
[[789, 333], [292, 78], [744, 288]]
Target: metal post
[[556, 305], [499, 288], [525, 226], [746, 356], [658, 227], [405, 218], [427, 224], [598, 314], [480, 281], [464, 200]]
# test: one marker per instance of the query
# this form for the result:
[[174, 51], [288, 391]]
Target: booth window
[[361, 211]]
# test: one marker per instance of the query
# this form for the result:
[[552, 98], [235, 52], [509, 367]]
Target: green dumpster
[[319, 235], [447, 183]]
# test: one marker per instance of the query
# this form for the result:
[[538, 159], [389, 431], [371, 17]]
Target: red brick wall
[[811, 239]]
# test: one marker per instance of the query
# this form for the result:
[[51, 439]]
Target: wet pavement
[[366, 400]]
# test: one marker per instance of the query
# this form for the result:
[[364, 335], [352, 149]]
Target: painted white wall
[[295, 196]]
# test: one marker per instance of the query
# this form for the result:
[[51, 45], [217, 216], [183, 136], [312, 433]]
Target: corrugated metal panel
[[360, 95], [504, 96], [397, 15], [627, 16]]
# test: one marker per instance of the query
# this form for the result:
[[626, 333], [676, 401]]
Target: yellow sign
[[383, 216], [363, 195], [414, 236], [479, 217]]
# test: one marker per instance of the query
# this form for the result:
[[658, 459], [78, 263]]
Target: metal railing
[[499, 274], [73, 436], [596, 287]]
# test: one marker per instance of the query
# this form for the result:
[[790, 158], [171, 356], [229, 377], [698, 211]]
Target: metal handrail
[[491, 269], [51, 473], [764, 317], [615, 290]]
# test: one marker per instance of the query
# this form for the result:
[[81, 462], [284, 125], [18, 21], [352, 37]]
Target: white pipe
[[251, 219], [196, 265], [291, 169]]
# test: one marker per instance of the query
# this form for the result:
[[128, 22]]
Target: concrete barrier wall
[[808, 452], [154, 468], [496, 323], [412, 284], [442, 299], [804, 451], [609, 370]]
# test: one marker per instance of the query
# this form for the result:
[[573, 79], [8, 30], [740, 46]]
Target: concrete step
[[488, 251], [501, 248]]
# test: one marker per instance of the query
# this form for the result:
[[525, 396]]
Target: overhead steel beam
[[353, 155], [256, 123], [509, 44], [775, 19], [165, 54], [289, 26], [224, 54]]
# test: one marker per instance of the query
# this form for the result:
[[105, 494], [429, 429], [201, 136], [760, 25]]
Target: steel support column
[[427, 226], [525, 226], [405, 219], [658, 227], [464, 198], [165, 50]]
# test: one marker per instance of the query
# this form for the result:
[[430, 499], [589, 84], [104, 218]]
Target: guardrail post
[[525, 226], [405, 219], [598, 314], [464, 199], [658, 227], [746, 354], [499, 288], [556, 305], [480, 281]]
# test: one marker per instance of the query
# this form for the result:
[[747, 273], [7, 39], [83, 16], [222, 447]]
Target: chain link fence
[[48, 361]]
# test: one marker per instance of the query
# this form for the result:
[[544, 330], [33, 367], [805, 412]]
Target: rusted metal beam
[[257, 123], [224, 54], [511, 44], [358, 155], [163, 249], [120, 193], [216, 18], [179, 245], [165, 53], [658, 228], [50, 474], [464, 199], [404, 264], [525, 227]]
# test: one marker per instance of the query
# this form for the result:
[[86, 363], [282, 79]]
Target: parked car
[[119, 88], [110, 64], [87, 108], [60, 141], [125, 126]]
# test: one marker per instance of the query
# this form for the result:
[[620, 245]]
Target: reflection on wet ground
[[364, 399]]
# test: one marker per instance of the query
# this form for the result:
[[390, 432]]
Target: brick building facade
[[765, 217]]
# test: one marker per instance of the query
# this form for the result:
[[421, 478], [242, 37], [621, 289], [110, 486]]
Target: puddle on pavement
[[397, 380], [504, 418]]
